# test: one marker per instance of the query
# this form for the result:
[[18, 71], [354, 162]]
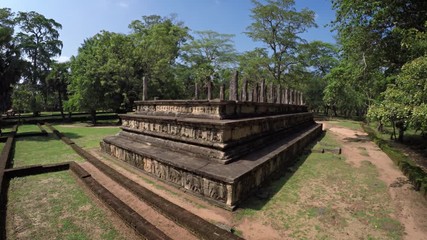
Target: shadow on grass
[[71, 135], [278, 179]]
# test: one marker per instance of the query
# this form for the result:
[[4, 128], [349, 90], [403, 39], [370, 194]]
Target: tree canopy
[[278, 25]]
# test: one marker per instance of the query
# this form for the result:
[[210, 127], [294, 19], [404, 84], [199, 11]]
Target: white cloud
[[62, 59], [123, 4]]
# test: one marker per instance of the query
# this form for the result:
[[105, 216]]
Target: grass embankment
[[53, 206], [1, 146], [85, 136], [327, 198], [415, 174]]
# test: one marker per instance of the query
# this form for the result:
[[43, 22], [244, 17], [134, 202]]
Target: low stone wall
[[224, 192], [214, 109]]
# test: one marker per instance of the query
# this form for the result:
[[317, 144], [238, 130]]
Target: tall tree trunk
[[335, 111], [60, 104], [93, 116], [401, 132]]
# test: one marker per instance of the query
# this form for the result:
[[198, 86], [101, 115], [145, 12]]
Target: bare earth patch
[[410, 207]]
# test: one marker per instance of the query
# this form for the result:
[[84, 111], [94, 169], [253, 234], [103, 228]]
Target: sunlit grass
[[54, 206], [42, 150], [28, 128], [84, 136]]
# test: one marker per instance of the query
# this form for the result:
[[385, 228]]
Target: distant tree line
[[107, 72], [377, 69]]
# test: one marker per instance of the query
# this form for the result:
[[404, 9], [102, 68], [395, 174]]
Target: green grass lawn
[[1, 146], [28, 128], [327, 198], [6, 129], [53, 206], [42, 150], [84, 136], [346, 123]]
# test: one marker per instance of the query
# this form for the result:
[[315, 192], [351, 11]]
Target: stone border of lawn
[[195, 224], [415, 174], [58, 118], [6, 155]]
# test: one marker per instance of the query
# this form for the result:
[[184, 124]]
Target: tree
[[370, 31], [210, 55], [100, 74], [21, 98], [157, 43], [58, 80], [252, 65], [317, 59], [405, 102], [278, 25], [39, 41], [339, 94], [11, 65], [371, 35]]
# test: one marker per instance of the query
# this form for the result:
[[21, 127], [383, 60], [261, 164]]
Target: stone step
[[221, 153], [224, 185]]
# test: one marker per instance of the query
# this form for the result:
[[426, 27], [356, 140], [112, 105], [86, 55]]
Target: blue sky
[[82, 19]]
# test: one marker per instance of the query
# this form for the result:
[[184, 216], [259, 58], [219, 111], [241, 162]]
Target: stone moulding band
[[212, 133], [214, 109]]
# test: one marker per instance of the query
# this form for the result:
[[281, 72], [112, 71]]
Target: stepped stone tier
[[219, 150]]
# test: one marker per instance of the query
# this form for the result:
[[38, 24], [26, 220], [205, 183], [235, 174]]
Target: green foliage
[[100, 73], [278, 25], [253, 65], [57, 81], [157, 42], [22, 98], [11, 65], [39, 41], [320, 57], [405, 101], [209, 56], [340, 94]]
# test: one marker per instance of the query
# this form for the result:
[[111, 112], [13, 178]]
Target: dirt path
[[164, 224], [410, 206]]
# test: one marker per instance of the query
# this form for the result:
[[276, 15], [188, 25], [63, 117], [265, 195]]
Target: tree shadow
[[260, 197], [358, 138]]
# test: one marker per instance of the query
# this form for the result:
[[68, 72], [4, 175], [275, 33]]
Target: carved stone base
[[224, 185]]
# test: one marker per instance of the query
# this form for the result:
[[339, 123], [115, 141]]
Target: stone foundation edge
[[224, 194]]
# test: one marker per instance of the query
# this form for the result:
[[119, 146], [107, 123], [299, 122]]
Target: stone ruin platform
[[221, 151]]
